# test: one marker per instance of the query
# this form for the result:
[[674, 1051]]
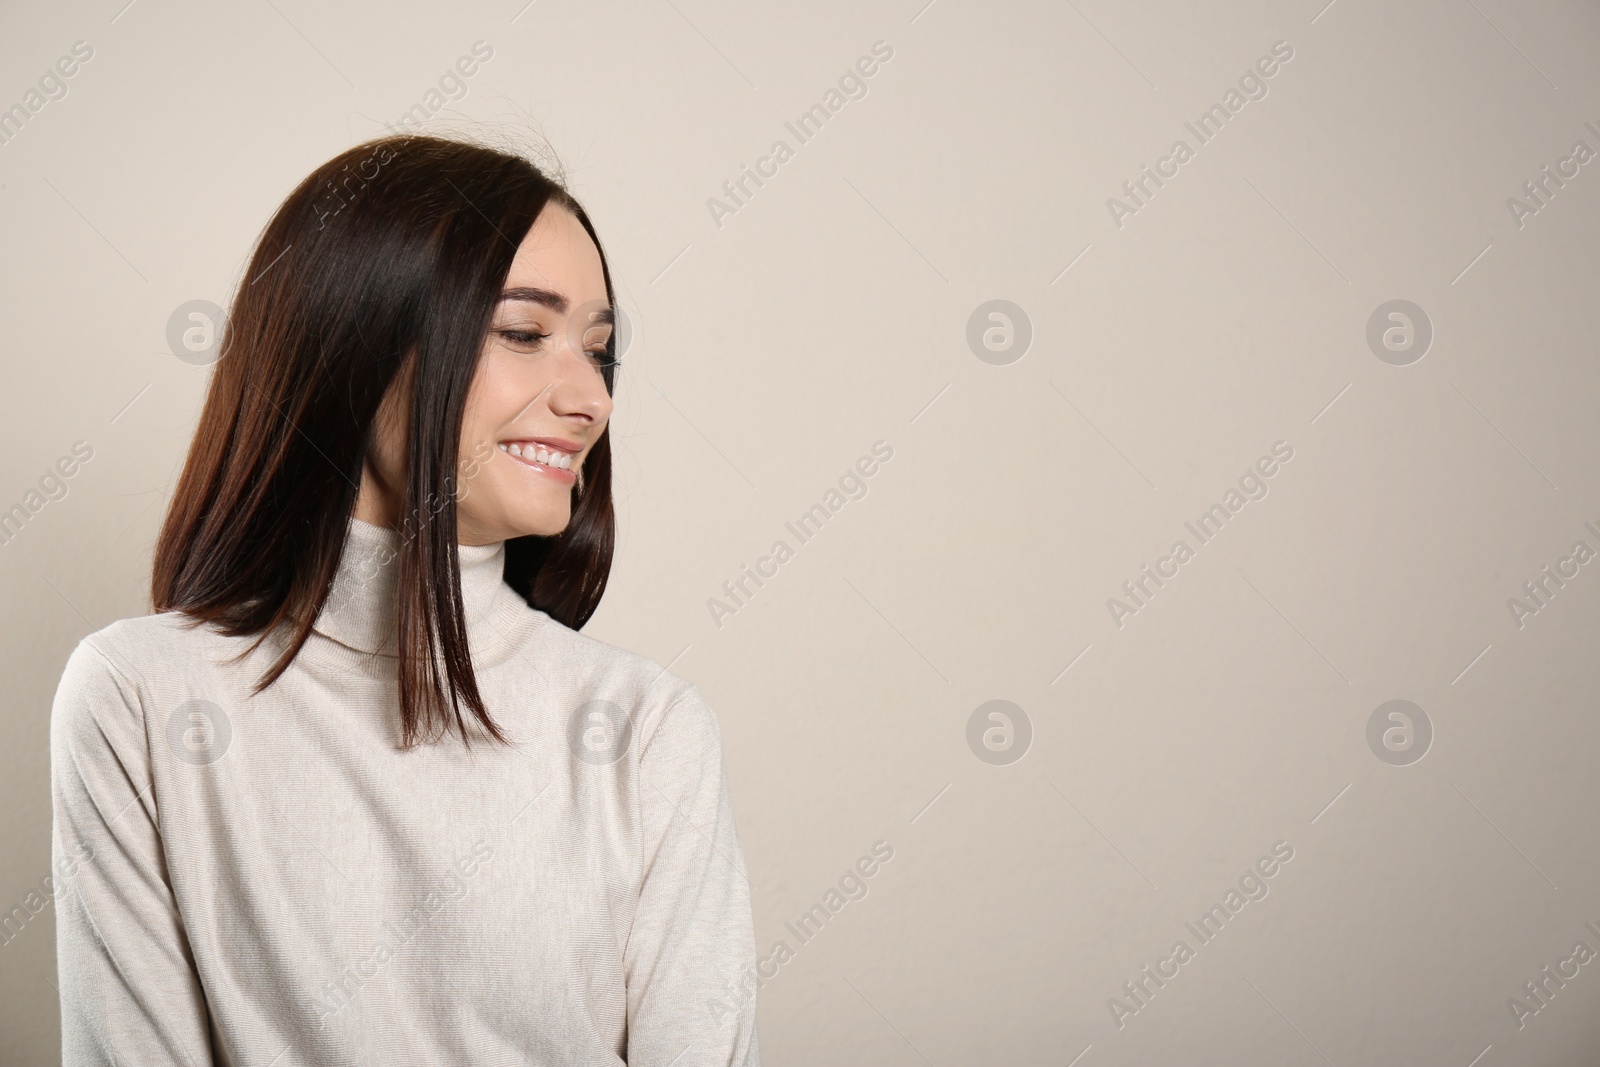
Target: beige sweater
[[269, 881]]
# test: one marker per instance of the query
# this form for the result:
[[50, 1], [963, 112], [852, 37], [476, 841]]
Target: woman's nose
[[577, 386]]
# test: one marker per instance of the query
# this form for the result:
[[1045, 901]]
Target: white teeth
[[550, 457]]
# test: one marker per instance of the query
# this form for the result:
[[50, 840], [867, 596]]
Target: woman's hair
[[389, 258]]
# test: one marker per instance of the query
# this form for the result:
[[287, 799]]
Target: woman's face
[[537, 404]]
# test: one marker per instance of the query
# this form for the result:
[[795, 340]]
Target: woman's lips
[[554, 459]]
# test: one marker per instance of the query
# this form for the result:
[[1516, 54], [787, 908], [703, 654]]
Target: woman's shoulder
[[103, 680], [153, 638], [131, 652], [599, 670]]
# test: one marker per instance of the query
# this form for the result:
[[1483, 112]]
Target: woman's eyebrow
[[554, 301]]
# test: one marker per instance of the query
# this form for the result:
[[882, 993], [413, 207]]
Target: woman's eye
[[523, 337], [532, 340]]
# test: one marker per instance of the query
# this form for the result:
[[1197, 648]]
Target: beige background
[[831, 312]]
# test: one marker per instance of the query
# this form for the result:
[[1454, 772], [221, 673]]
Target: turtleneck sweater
[[269, 880]]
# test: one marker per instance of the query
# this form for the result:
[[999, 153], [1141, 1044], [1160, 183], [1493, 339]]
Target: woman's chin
[[518, 523]]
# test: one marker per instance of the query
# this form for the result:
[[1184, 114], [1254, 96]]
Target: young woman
[[359, 792]]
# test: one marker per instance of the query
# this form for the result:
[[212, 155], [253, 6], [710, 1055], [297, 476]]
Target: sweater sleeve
[[690, 959], [130, 994]]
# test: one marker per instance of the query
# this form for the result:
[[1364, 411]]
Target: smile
[[543, 457]]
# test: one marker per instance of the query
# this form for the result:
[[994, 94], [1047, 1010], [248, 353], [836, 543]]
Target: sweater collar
[[360, 610]]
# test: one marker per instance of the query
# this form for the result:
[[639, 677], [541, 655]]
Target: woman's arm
[[129, 992], [690, 960]]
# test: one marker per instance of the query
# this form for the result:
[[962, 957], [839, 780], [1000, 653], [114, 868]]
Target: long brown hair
[[391, 254]]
